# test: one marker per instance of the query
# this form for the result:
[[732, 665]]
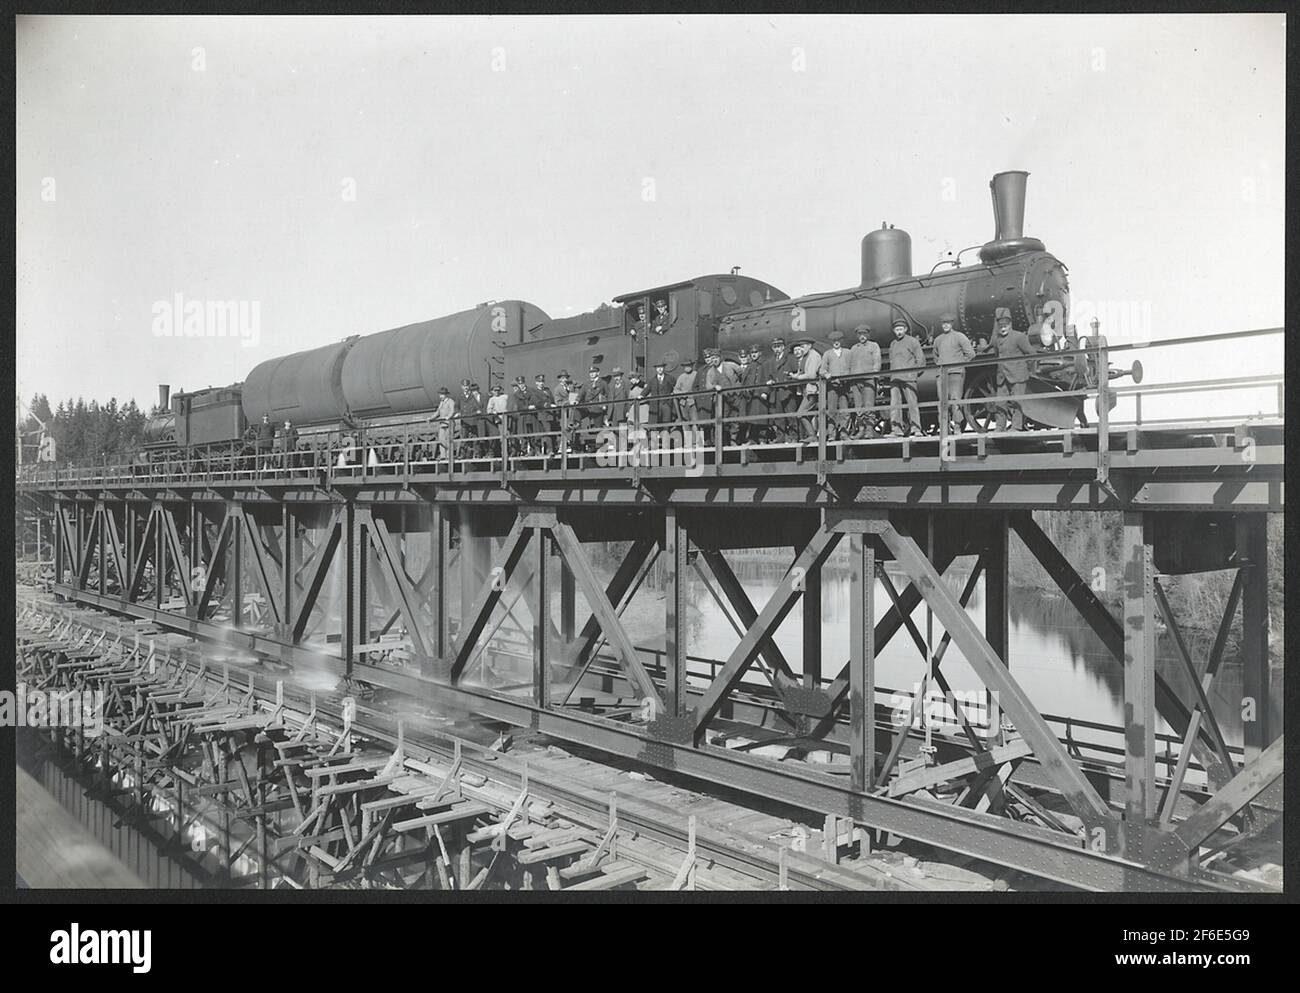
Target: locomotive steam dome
[[886, 256]]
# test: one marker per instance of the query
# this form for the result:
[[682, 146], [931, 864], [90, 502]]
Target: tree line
[[82, 429]]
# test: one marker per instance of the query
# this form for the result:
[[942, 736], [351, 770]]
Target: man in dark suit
[[750, 402], [541, 401], [1014, 347], [520, 420], [593, 407], [618, 405], [659, 389], [471, 409], [782, 399]]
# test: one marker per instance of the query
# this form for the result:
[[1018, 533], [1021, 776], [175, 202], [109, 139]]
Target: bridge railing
[[729, 422]]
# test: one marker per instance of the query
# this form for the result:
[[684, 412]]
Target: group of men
[[533, 414], [773, 397], [275, 449], [778, 395]]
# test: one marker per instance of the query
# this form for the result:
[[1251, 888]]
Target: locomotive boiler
[[1014, 271]]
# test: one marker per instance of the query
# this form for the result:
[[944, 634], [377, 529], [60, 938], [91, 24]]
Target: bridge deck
[[1175, 466]]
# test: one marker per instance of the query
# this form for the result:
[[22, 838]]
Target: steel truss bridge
[[414, 576]]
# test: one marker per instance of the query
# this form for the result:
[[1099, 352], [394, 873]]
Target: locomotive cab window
[[662, 312], [634, 316]]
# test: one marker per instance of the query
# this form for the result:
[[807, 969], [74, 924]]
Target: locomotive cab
[[681, 319], [663, 323]]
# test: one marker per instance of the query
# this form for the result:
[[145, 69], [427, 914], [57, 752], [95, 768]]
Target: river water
[[1056, 658], [1054, 655]]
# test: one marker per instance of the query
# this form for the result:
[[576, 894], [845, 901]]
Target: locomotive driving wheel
[[982, 388]]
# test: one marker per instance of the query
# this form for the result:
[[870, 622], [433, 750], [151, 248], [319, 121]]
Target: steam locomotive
[[368, 381]]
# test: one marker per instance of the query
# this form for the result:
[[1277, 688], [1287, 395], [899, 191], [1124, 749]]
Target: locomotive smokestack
[[164, 394], [1008, 191]]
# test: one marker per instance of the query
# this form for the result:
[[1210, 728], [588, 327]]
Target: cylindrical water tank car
[[304, 387], [398, 371], [390, 372]]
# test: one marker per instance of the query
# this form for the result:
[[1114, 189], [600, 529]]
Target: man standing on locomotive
[[542, 402], [906, 357], [810, 362], [496, 409], [747, 376], [781, 368], [593, 403], [686, 384], [659, 385], [443, 416], [265, 440], [952, 348], [718, 376], [289, 442], [470, 408], [618, 397], [661, 321], [520, 418], [755, 402], [864, 357], [1013, 374], [835, 363]]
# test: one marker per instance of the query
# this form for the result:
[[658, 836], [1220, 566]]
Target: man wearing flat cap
[[864, 357], [952, 348], [686, 384], [719, 375], [809, 371], [835, 364], [906, 357], [782, 399], [1013, 347]]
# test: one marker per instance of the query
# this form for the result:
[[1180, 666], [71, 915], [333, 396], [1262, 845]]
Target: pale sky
[[507, 157]]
